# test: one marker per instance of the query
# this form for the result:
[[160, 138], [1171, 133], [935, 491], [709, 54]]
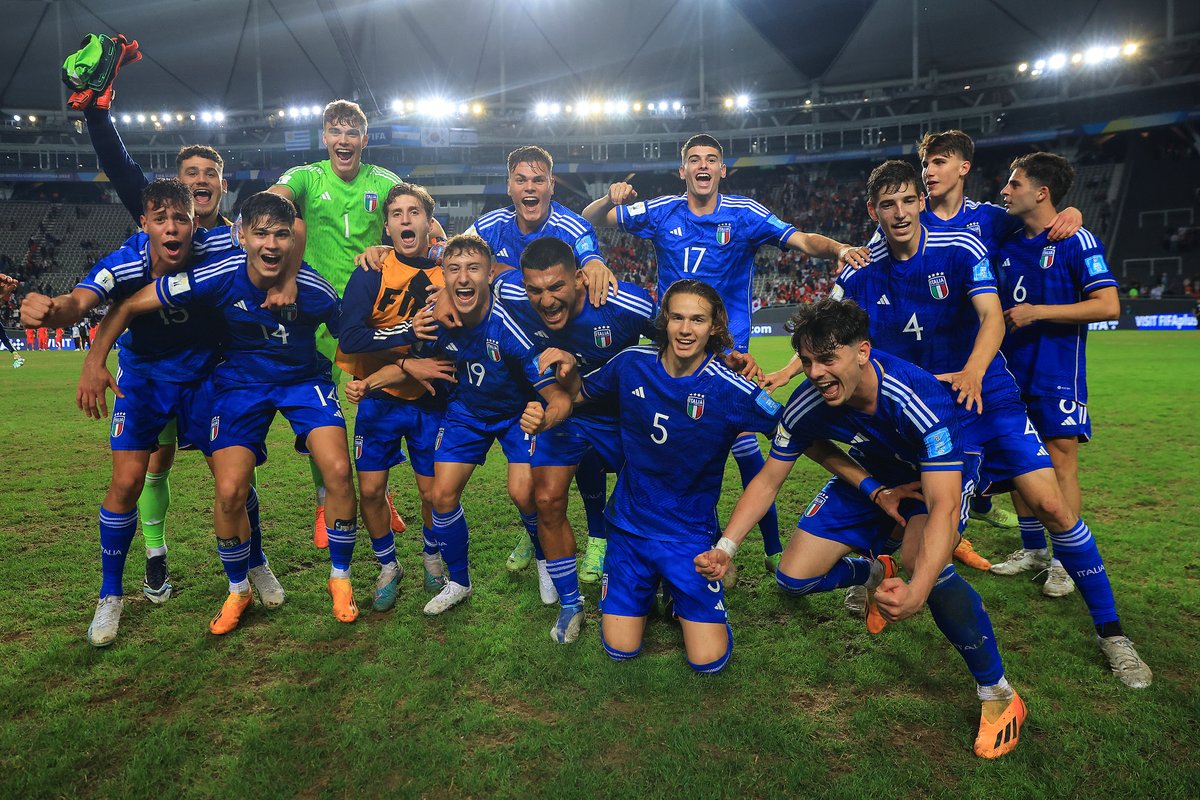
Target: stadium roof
[[208, 53]]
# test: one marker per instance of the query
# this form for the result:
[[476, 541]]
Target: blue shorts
[[1010, 443], [565, 445], [149, 406], [242, 413], [1056, 418], [633, 566], [463, 438], [380, 426], [841, 513]]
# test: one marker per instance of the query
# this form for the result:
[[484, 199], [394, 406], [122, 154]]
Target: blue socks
[[385, 549], [530, 523], [450, 532], [116, 535], [257, 557], [618, 655], [1033, 535], [981, 503], [235, 558], [430, 548], [1077, 551], [749, 462], [566, 580], [848, 571], [341, 548], [713, 667], [590, 480], [958, 611]]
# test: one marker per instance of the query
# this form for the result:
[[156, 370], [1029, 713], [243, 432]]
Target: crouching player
[[679, 410], [902, 426], [377, 311], [270, 364]]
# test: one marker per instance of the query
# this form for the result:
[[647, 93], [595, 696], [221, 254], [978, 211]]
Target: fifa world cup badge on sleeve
[[1095, 265], [938, 443]]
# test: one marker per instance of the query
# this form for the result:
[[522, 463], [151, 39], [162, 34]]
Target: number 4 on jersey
[[913, 327]]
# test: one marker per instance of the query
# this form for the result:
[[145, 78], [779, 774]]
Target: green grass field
[[480, 702]]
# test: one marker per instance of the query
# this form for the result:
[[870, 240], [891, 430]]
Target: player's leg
[[118, 524], [1075, 546], [749, 459], [327, 346], [327, 444], [422, 444], [699, 604], [232, 468], [153, 504], [520, 449], [591, 481], [550, 486], [450, 531], [627, 594], [958, 611], [378, 432]]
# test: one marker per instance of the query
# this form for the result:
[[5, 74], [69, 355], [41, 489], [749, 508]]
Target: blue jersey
[[174, 345], [921, 308], [1047, 358], [496, 364], [676, 433], [262, 345], [991, 223], [914, 428], [500, 230], [717, 248]]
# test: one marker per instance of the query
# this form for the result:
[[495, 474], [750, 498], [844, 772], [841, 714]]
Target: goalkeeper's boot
[[883, 567], [398, 524], [965, 552], [771, 563], [593, 560], [106, 620], [342, 592], [157, 584], [521, 555], [995, 516], [1000, 726], [231, 612]]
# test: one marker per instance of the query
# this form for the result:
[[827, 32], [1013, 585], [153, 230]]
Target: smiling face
[[557, 294], [531, 185], [898, 213], [408, 224], [203, 178], [702, 171], [837, 373], [466, 273], [345, 140], [689, 325], [267, 243], [170, 227], [943, 173]]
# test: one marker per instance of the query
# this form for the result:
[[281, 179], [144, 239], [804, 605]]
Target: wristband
[[726, 546], [869, 486], [404, 371]]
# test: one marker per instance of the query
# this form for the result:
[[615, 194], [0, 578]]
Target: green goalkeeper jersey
[[343, 218]]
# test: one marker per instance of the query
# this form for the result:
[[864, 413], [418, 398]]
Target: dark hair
[[544, 253], [413, 190], [1047, 169], [344, 111], [267, 207], [890, 176], [827, 324], [700, 140], [952, 143], [719, 339], [466, 243], [164, 192], [530, 154], [201, 150]]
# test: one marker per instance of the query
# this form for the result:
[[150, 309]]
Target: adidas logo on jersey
[[242, 305], [1007, 263], [1070, 420], [883, 301], [503, 253], [677, 231], [452, 347], [541, 334], [1042, 452], [325, 196], [639, 392]]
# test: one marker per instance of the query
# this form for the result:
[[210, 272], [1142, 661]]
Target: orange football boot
[[1000, 736], [231, 612]]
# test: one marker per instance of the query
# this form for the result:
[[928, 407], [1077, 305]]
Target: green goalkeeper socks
[[152, 508]]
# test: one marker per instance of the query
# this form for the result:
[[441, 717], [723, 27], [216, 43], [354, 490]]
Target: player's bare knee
[[231, 496], [444, 499]]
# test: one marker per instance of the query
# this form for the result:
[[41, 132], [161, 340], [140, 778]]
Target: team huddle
[[948, 365]]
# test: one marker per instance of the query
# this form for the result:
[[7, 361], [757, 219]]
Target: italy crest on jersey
[[118, 424], [289, 313], [493, 349], [214, 428], [1047, 259], [974, 228], [695, 406], [371, 202], [358, 442], [816, 504], [724, 233], [938, 286], [603, 336], [437, 443]]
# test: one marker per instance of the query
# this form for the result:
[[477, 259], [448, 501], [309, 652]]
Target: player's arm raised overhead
[[602, 212]]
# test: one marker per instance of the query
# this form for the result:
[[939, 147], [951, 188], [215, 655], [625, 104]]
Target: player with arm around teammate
[[679, 408], [902, 427]]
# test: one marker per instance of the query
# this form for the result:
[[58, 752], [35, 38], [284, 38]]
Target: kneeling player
[[271, 364], [902, 426], [680, 409]]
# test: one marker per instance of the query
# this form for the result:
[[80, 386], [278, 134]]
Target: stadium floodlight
[[1023, 66], [397, 106], [316, 111], [32, 118], [1076, 58], [637, 106], [808, 101], [677, 106], [555, 108], [652, 107], [126, 118], [141, 117], [569, 108], [1040, 64], [179, 117], [16, 117], [742, 101], [1112, 51], [282, 114], [192, 117], [477, 109], [154, 117], [463, 108], [662, 105], [728, 102], [206, 116], [165, 116], [293, 112], [622, 106], [1129, 49], [596, 107], [1057, 61], [542, 109], [218, 116]]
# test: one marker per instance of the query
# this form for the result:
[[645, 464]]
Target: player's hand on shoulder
[[557, 359], [356, 390], [967, 387], [857, 257], [425, 323], [712, 564], [744, 364], [372, 257], [599, 279], [533, 418], [281, 295], [777, 379], [36, 309], [621, 193], [1065, 224]]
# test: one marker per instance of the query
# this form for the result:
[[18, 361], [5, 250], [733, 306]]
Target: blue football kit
[[500, 230]]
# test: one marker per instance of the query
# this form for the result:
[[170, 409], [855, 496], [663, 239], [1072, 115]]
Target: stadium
[[802, 102]]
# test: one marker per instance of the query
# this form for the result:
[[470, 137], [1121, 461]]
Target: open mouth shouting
[[830, 389], [174, 248], [202, 195], [344, 156], [271, 262]]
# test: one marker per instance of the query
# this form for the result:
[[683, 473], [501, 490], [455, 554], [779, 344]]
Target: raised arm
[[40, 311], [818, 246], [602, 213]]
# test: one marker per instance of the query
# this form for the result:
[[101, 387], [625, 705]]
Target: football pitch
[[480, 703]]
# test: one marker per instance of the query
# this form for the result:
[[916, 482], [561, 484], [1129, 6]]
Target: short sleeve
[[639, 219]]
